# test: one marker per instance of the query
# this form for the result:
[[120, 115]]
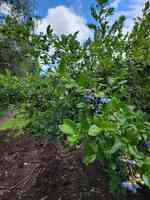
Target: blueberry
[[89, 98], [130, 186], [98, 100], [40, 98], [102, 100], [147, 144], [131, 162], [105, 100]]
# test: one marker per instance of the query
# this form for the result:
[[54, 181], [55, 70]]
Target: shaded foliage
[[21, 50]]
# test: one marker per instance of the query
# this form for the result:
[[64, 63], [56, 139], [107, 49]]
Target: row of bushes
[[107, 128], [91, 98]]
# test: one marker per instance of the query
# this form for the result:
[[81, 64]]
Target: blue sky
[[81, 7], [69, 16]]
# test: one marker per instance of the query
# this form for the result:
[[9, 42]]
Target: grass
[[17, 122]]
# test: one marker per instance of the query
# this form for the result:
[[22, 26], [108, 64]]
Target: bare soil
[[38, 169]]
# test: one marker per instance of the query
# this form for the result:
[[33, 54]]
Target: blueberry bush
[[94, 96]]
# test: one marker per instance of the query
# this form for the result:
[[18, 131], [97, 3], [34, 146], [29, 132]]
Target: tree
[[19, 51], [20, 47], [138, 61], [23, 8]]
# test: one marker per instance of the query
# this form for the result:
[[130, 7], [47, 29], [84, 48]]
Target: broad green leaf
[[70, 123], [147, 161], [90, 152], [73, 139], [67, 129], [89, 159], [146, 180], [94, 130], [104, 124], [117, 145], [131, 135], [132, 150]]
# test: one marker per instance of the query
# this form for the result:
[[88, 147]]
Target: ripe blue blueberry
[[89, 98], [98, 100], [131, 162], [130, 186], [147, 144], [102, 100], [105, 100]]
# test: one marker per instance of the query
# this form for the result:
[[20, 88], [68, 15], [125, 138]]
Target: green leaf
[[89, 159], [70, 123], [71, 84], [90, 152], [67, 129], [104, 124], [49, 30], [81, 105], [62, 67], [147, 161], [146, 180], [132, 150], [94, 130], [73, 139], [117, 145], [92, 26], [83, 80], [131, 135], [101, 1]]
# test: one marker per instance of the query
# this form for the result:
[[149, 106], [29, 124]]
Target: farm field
[[74, 100]]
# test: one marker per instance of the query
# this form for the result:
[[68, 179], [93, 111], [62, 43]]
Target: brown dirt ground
[[35, 169], [38, 169]]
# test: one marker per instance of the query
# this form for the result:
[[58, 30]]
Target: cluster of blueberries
[[131, 186], [97, 100], [93, 99]]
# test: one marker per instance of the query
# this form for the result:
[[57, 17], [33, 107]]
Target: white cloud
[[134, 9], [64, 21], [5, 8]]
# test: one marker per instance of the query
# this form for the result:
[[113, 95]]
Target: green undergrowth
[[16, 122]]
